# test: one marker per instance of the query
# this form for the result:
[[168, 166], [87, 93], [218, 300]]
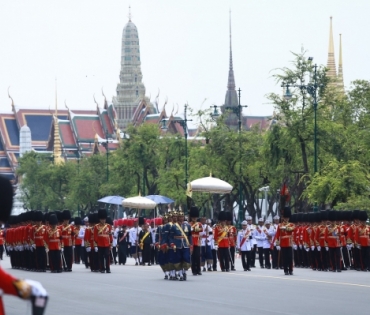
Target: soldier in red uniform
[[363, 240], [38, 241], [68, 239], [232, 238], [284, 240], [332, 239], [78, 241], [196, 233], [222, 242], [321, 245], [54, 244], [103, 240]]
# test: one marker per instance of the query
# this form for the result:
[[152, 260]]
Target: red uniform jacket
[[343, 234], [332, 236], [196, 229], [284, 234], [233, 233], [221, 236], [78, 241], [53, 238], [363, 235], [67, 234], [103, 235], [38, 236], [7, 286], [89, 237], [320, 236]]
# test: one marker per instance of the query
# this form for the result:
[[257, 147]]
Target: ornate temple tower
[[340, 66], [130, 90], [332, 73]]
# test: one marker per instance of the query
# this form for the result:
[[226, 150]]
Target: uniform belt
[[103, 235], [333, 236], [286, 236], [53, 240], [39, 237], [179, 237]]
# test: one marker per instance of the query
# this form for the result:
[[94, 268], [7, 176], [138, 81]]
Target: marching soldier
[[145, 243], [284, 240], [68, 236], [78, 240], [161, 245], [39, 243], [363, 240], [206, 252], [222, 242], [196, 233], [269, 231], [260, 237], [134, 235], [332, 234], [1, 242], [54, 245], [103, 241], [252, 227], [232, 238], [275, 263], [244, 245]]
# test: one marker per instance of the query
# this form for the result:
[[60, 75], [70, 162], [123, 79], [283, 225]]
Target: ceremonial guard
[[344, 227], [269, 231], [68, 235], [38, 241], [122, 243], [244, 245], [161, 246], [260, 237], [363, 240], [78, 240], [213, 249], [275, 263], [206, 252], [352, 240], [180, 237], [54, 244], [196, 233], [153, 250], [134, 237], [89, 244], [252, 227], [166, 245], [222, 242], [81, 236], [332, 234], [321, 245], [284, 240], [232, 238], [103, 241], [146, 244]]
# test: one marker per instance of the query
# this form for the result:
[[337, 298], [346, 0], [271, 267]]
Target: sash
[[64, 229], [144, 237], [123, 236], [246, 235], [183, 234], [38, 230], [222, 236], [100, 231]]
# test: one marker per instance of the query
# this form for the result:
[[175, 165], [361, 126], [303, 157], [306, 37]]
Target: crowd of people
[[325, 241]]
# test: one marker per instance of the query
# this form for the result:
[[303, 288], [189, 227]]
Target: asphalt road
[[141, 290]]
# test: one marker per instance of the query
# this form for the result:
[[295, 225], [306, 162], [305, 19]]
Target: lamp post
[[311, 89], [238, 111], [184, 125]]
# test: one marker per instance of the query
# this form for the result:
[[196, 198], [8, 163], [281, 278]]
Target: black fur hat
[[356, 214], [294, 218], [53, 220], [141, 220], [66, 215], [222, 216], [78, 221], [229, 216], [333, 215], [109, 221], [286, 212], [102, 214], [38, 216], [6, 198], [194, 212], [363, 215]]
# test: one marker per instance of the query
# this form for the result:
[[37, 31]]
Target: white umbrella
[[139, 202], [211, 185]]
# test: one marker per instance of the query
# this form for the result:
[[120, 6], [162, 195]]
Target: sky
[[184, 48]]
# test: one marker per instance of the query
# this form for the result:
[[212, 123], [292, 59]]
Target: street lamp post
[[238, 111], [311, 89], [184, 124]]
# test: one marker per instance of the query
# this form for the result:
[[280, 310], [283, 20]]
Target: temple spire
[[57, 144], [129, 14], [332, 73], [340, 66], [231, 79]]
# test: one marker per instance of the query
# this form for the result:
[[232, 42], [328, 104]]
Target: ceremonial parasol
[[138, 202], [115, 200], [211, 185], [158, 199]]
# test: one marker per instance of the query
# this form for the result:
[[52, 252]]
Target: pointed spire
[[340, 66], [57, 143], [231, 79], [129, 14], [332, 73]]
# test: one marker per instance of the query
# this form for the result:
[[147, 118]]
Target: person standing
[[196, 230], [134, 240], [213, 249], [206, 251], [114, 245], [260, 237], [68, 235], [222, 242], [54, 245], [362, 237], [269, 232], [154, 249], [81, 236], [275, 256], [232, 238], [332, 234], [103, 241], [284, 240], [243, 244], [78, 241], [252, 227], [122, 243], [38, 241], [146, 244]]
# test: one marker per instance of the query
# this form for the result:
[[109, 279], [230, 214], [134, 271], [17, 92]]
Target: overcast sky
[[184, 47]]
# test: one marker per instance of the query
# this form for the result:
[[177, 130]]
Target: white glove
[[358, 246], [318, 248], [31, 248], [312, 248], [349, 246], [327, 248], [21, 247], [46, 250], [62, 249], [88, 249], [278, 247], [216, 247], [96, 249], [295, 247], [73, 247], [34, 246], [307, 249], [300, 246], [37, 289]]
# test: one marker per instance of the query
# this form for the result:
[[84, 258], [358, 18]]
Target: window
[[127, 58], [127, 49], [127, 43]]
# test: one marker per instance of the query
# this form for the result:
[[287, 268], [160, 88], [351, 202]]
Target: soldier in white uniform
[[153, 250], [205, 250], [213, 249], [244, 245], [252, 227], [81, 235], [114, 244], [270, 233], [135, 249], [260, 237]]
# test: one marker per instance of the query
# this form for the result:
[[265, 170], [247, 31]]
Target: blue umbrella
[[115, 200], [158, 199]]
